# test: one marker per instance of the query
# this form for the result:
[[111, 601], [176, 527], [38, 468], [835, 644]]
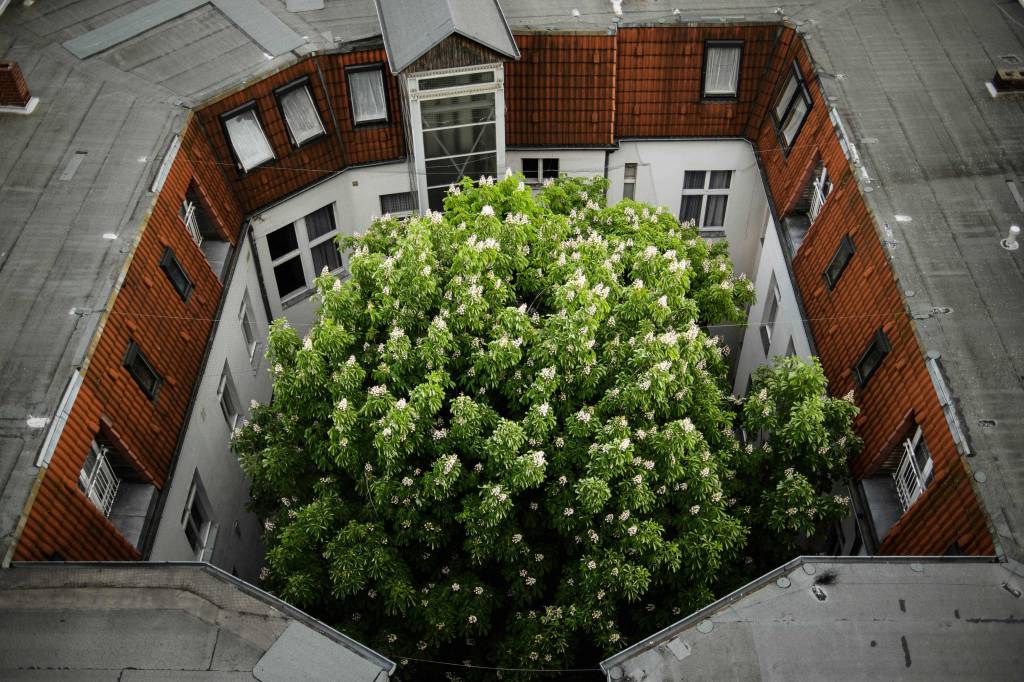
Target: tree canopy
[[509, 439]]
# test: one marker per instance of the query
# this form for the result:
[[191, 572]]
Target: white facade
[[661, 166], [786, 333], [355, 196], [229, 536]]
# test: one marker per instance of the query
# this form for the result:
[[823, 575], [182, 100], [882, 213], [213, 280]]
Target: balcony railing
[[101, 484], [188, 216], [910, 480]]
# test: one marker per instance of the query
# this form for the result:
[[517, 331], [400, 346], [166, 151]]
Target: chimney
[[14, 95]]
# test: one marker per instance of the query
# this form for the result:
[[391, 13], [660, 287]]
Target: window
[[299, 112], [196, 519], [721, 69], [791, 107], [872, 358], [840, 259], [228, 401], [771, 312], [629, 181], [300, 251], [915, 470], [400, 203], [97, 478], [537, 169], [248, 142], [458, 129], [176, 274], [142, 371], [366, 94], [245, 321], [705, 197]]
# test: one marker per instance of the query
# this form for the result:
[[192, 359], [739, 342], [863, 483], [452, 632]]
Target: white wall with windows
[[774, 324], [571, 162], [295, 240], [204, 515], [730, 196]]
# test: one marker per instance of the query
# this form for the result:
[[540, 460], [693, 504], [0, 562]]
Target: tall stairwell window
[[458, 119]]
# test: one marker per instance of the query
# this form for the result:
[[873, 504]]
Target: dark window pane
[[140, 369], [450, 111], [690, 208], [550, 168], [176, 274], [714, 216], [289, 276], [693, 179], [720, 180], [794, 119], [629, 173], [435, 198], [839, 262], [872, 358], [531, 169], [446, 171], [320, 222], [628, 190], [399, 202], [281, 242], [464, 140], [326, 255], [457, 81]]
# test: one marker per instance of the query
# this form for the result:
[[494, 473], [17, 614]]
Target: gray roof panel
[[412, 27]]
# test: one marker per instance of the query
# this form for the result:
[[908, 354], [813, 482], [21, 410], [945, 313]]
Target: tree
[[508, 437]]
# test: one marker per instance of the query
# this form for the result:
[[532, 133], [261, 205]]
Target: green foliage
[[508, 437]]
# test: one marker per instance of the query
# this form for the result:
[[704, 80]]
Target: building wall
[[205, 448], [172, 335], [355, 194], [844, 320], [660, 168], [789, 327]]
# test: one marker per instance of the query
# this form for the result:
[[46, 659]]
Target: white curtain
[[367, 92], [248, 140], [299, 112], [722, 70]]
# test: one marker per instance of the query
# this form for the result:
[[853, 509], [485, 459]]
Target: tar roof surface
[[907, 75], [847, 618], [147, 621]]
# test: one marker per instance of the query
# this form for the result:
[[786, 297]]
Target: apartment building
[[186, 166]]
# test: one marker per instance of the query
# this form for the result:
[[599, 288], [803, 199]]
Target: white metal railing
[[101, 484], [188, 216], [909, 479], [820, 189]]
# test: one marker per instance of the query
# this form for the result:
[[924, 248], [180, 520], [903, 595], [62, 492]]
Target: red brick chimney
[[13, 89]]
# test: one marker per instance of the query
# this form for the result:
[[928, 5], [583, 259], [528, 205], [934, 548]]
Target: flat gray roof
[[164, 622], [908, 77], [847, 619]]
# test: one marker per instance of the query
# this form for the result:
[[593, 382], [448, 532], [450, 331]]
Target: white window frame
[[280, 94], [206, 533], [227, 398], [629, 173], [247, 323], [304, 249], [710, 47], [542, 172], [101, 484], [910, 477], [416, 96], [374, 67], [705, 192], [770, 314], [257, 160]]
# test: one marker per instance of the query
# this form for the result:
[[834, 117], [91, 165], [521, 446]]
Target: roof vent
[[1007, 81]]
